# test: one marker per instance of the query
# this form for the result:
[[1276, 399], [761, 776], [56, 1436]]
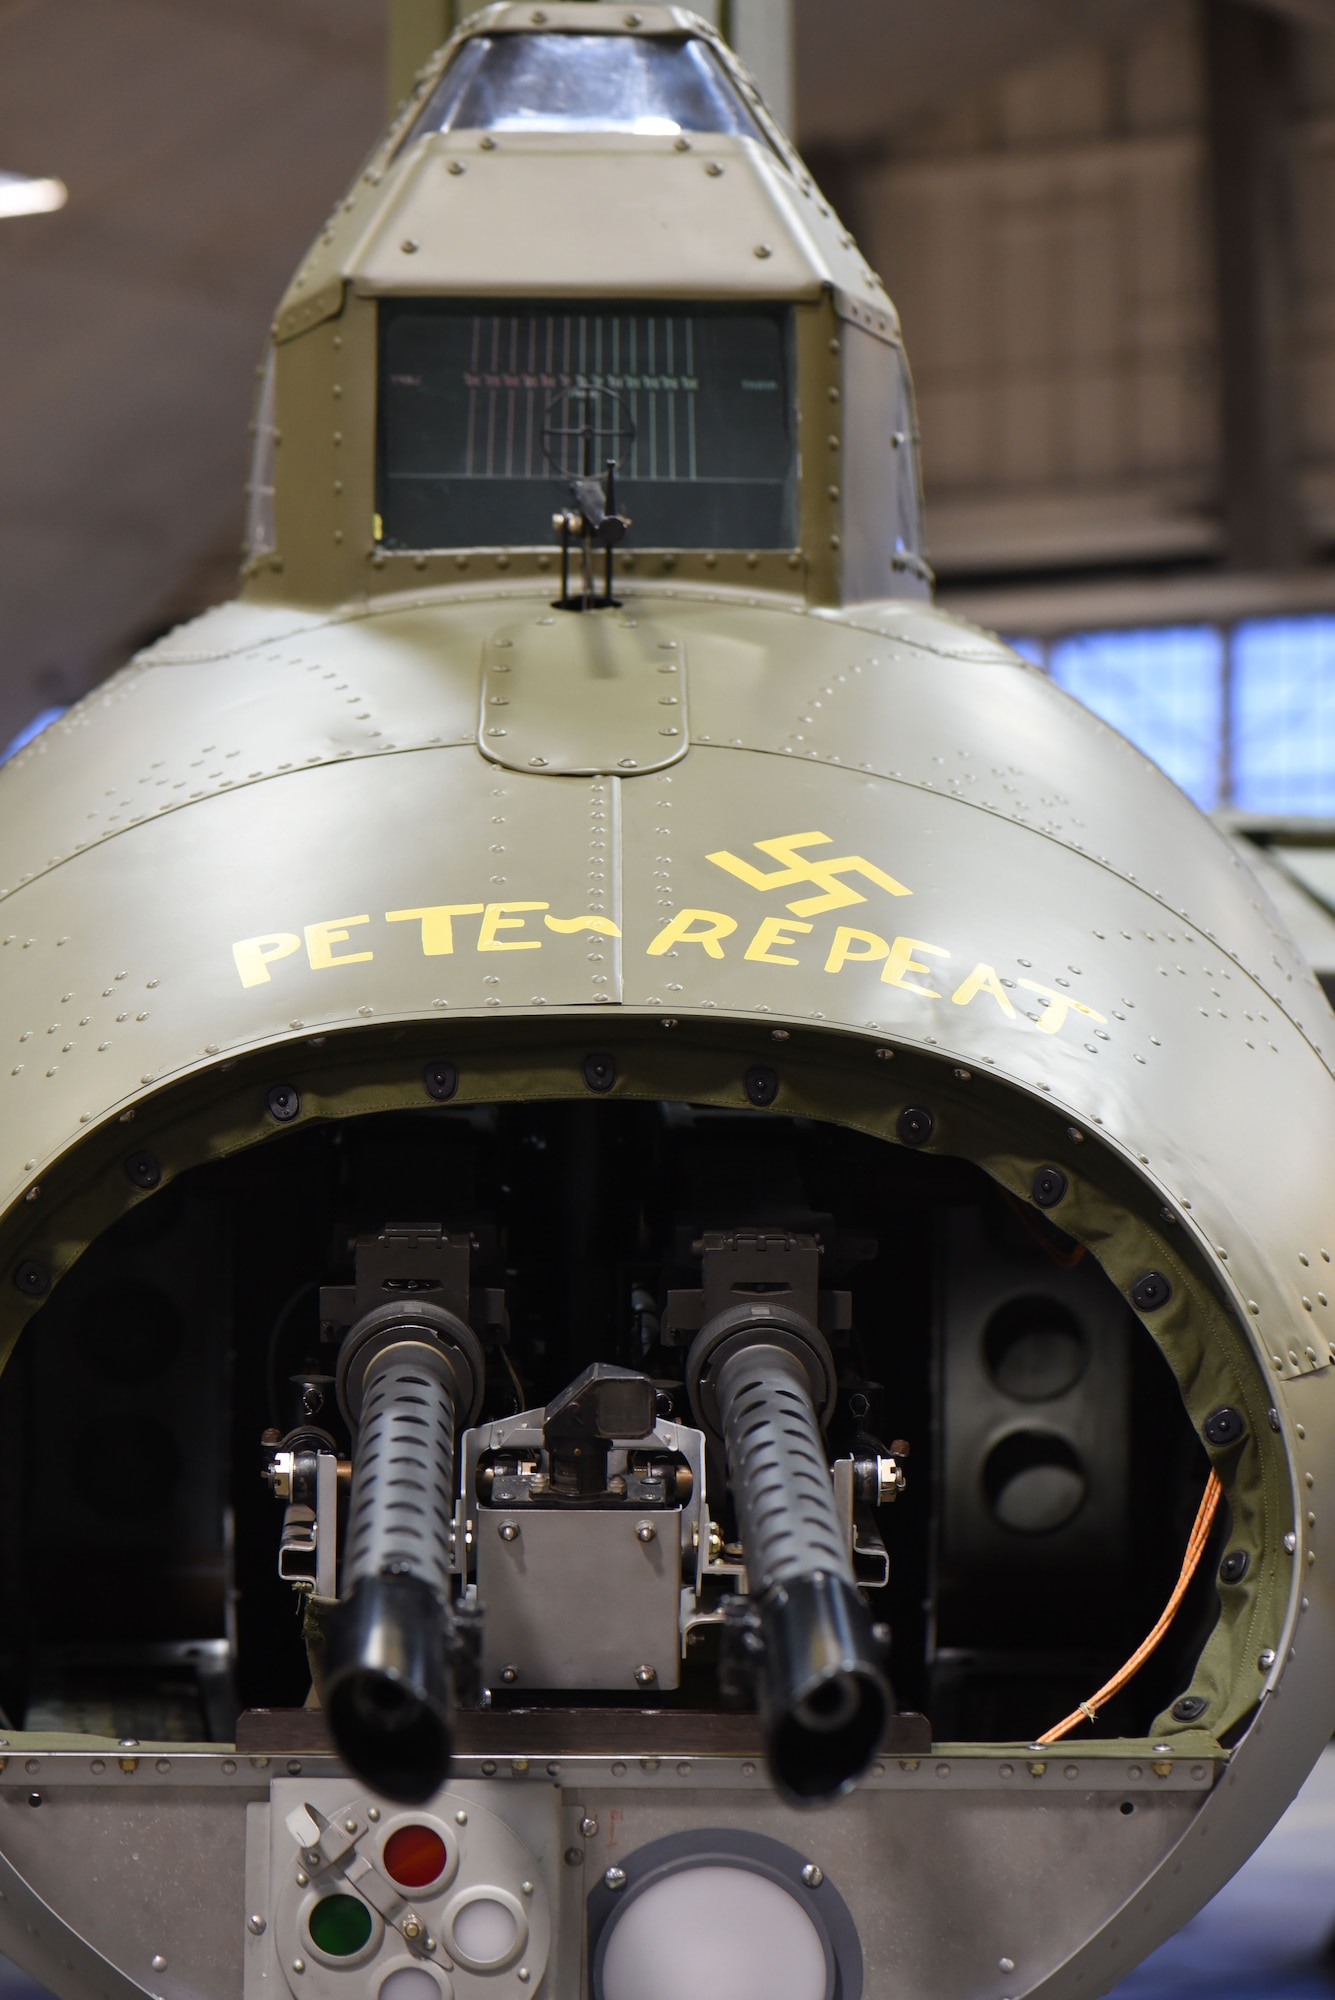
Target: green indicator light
[[340, 1925]]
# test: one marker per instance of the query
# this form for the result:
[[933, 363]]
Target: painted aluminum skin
[[386, 808]]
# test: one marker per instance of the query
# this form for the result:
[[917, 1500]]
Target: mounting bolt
[[509, 1531], [812, 1875], [1224, 1425], [32, 1279], [614, 1878], [256, 1924], [646, 1532], [1151, 1291], [915, 1125], [284, 1102], [1049, 1187], [761, 1084], [588, 1826], [600, 1072], [441, 1080], [645, 1676]]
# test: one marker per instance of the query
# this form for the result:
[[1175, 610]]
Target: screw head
[[256, 1924], [1005, 1965], [509, 1531], [1290, 1541], [645, 1676], [813, 1875], [158, 1962], [1150, 1291], [1049, 1187], [509, 1675], [588, 1826], [142, 1169], [574, 1857], [373, 1813], [761, 1084], [1266, 1659], [284, 1102], [915, 1125], [412, 1929], [614, 1878], [441, 1080], [599, 1072], [646, 1532]]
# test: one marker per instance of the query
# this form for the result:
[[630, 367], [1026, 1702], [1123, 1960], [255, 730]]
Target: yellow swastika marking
[[796, 867]]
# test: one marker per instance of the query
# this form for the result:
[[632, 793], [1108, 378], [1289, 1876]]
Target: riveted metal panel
[[574, 694]]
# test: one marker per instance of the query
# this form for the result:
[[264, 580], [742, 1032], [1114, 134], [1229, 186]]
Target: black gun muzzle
[[407, 1375], [758, 1377]]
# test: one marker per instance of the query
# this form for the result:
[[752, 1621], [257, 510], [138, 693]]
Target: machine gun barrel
[[823, 1698], [388, 1680]]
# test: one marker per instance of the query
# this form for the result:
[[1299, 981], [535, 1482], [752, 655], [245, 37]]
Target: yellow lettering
[[841, 951], [254, 956], [901, 962], [680, 931], [494, 919], [774, 930], [799, 868], [1057, 1007], [321, 939], [566, 925], [983, 979], [437, 924]]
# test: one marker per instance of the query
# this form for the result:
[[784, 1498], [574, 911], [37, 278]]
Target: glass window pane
[[584, 83], [1284, 715], [1162, 688], [487, 415]]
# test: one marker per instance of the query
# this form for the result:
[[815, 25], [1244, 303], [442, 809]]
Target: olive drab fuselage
[[770, 809]]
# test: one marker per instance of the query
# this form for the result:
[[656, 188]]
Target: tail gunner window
[[487, 418], [584, 83]]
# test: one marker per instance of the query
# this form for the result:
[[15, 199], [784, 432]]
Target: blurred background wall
[[1107, 225]]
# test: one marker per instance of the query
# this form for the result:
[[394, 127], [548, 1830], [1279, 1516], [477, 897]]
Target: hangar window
[[585, 83], [487, 414]]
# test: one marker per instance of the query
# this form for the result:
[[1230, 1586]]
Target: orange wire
[[1200, 1535]]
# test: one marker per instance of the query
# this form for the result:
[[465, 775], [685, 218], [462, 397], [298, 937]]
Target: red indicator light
[[414, 1856]]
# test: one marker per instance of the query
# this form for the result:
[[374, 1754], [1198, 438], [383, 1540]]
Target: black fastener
[[600, 1072], [1234, 1566], [1151, 1291], [916, 1125], [441, 1080], [1224, 1425], [761, 1084], [284, 1102], [1049, 1186], [32, 1279], [142, 1169], [1190, 1707]]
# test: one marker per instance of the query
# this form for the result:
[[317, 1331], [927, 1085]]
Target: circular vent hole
[[1035, 1482], [1035, 1349]]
